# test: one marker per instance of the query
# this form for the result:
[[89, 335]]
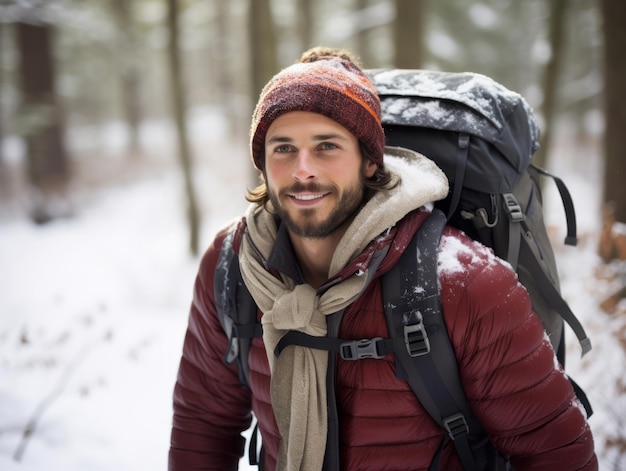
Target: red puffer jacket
[[507, 365]]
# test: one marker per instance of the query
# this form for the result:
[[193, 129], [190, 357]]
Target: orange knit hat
[[330, 85]]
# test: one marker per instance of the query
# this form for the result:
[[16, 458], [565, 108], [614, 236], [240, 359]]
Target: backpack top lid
[[462, 102]]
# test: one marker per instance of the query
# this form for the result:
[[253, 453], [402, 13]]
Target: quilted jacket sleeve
[[510, 373], [211, 408]]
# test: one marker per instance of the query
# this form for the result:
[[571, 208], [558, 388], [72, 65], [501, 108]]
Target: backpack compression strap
[[553, 297], [568, 205], [462, 156], [519, 248], [422, 346], [519, 245]]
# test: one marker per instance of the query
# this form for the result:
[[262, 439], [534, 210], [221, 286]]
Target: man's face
[[314, 173]]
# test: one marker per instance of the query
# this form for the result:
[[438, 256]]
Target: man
[[331, 216]]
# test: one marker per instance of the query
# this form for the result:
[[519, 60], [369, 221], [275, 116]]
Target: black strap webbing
[[568, 205], [255, 457], [375, 348], [515, 216], [433, 372], [552, 295], [462, 155], [582, 397]]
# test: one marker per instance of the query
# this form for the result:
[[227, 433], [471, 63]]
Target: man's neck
[[315, 255]]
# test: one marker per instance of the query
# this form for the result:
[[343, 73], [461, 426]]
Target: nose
[[304, 168]]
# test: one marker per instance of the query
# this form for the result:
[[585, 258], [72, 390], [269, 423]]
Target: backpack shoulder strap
[[235, 306], [421, 343]]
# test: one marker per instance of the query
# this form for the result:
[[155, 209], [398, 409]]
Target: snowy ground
[[93, 310]]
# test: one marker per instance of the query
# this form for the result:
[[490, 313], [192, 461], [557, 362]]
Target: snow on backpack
[[483, 137]]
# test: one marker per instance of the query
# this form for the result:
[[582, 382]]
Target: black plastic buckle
[[513, 208], [456, 425], [360, 349], [416, 338]]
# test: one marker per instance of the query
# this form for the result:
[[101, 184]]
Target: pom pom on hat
[[331, 85]]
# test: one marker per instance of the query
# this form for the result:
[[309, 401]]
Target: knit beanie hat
[[330, 85]]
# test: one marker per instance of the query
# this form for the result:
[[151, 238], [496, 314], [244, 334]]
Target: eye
[[283, 149], [327, 146]]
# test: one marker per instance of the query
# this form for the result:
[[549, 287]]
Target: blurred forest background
[[96, 94], [75, 73]]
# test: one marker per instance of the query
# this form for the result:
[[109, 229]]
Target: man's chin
[[309, 231]]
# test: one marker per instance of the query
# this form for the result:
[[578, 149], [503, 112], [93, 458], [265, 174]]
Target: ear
[[370, 168]]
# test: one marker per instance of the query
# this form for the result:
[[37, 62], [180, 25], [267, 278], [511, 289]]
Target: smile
[[308, 196]]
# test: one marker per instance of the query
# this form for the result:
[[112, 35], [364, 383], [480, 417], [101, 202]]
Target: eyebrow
[[325, 137], [318, 137], [280, 139]]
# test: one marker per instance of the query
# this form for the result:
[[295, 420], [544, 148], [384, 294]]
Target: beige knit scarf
[[298, 384]]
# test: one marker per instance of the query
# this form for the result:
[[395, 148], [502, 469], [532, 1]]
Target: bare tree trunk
[[179, 108], [222, 55], [558, 17], [409, 33], [129, 71], [5, 175], [263, 55], [614, 16], [264, 61], [41, 123], [2, 28], [305, 20], [363, 47]]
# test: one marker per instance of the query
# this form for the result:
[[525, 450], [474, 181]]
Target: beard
[[305, 222]]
